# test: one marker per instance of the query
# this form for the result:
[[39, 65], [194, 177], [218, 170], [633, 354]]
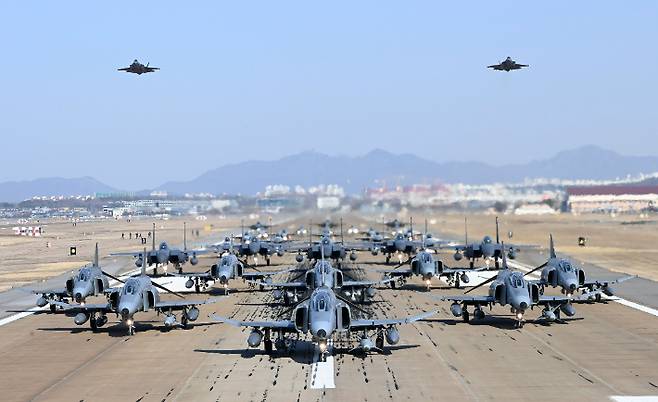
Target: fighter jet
[[486, 248], [324, 315], [426, 267], [89, 281], [138, 68], [509, 287], [507, 65], [323, 274], [165, 254], [252, 246], [562, 273], [138, 293], [228, 267], [372, 235]]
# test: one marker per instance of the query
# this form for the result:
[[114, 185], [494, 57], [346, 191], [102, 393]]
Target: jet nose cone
[[125, 313], [222, 279], [523, 305], [572, 287], [78, 297], [321, 333]]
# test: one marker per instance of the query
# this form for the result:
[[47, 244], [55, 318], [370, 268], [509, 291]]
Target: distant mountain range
[[356, 173], [14, 191]]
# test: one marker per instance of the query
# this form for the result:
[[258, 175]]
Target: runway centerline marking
[[322, 372]]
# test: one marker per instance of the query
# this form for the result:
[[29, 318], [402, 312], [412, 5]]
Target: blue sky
[[260, 80]]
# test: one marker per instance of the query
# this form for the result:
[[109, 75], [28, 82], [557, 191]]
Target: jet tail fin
[[551, 247], [504, 266], [144, 260], [497, 233], [96, 255]]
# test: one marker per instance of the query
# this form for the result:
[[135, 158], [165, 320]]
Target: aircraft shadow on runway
[[120, 330], [501, 322]]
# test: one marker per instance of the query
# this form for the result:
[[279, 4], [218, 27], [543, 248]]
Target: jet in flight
[[507, 65], [138, 68]]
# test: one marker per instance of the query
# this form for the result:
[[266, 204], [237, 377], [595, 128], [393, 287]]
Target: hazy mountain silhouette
[[356, 173]]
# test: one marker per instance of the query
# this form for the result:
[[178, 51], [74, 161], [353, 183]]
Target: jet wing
[[123, 69], [181, 304], [602, 284], [287, 324], [396, 273], [470, 300], [365, 284], [128, 253], [105, 307], [495, 66], [53, 292], [386, 322], [151, 69], [282, 285], [450, 271]]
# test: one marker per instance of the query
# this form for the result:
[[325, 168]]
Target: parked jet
[[323, 274], [486, 249], [89, 281], [138, 293], [507, 65], [165, 254], [228, 267], [138, 68], [324, 315], [510, 288], [426, 267], [562, 273]]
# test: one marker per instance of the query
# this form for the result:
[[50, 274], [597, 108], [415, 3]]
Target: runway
[[606, 350]]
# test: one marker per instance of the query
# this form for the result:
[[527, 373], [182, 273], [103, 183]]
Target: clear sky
[[259, 80]]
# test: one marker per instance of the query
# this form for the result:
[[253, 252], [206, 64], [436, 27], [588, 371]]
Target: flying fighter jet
[[484, 249], [507, 65], [509, 287], [562, 273], [228, 267], [324, 315], [89, 281], [323, 274], [424, 265], [165, 254], [138, 68], [138, 293]]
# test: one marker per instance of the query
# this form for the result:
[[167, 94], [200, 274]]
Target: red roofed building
[[586, 199]]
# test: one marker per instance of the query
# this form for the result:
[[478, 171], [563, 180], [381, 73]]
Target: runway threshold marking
[[29, 312], [622, 301], [322, 372]]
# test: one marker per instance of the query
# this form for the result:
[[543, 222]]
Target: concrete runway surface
[[605, 351]]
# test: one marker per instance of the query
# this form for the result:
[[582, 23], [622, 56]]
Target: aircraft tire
[[466, 316]]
